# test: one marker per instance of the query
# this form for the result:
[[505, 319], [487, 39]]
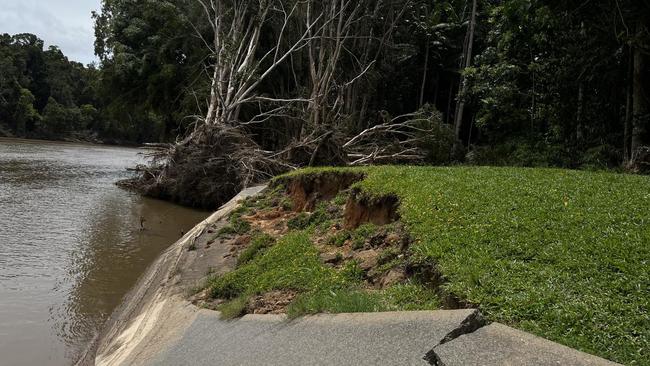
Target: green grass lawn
[[563, 254]]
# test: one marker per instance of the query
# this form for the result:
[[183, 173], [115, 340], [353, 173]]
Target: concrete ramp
[[394, 338]]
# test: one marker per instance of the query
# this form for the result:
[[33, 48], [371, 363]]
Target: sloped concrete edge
[[498, 344], [361, 339], [154, 312]]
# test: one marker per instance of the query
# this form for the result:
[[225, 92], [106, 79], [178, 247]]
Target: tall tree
[[466, 63]]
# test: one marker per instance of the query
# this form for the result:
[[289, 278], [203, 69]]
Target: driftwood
[[208, 170], [408, 138]]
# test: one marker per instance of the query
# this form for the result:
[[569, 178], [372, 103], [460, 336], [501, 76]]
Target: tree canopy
[[43, 94], [520, 82]]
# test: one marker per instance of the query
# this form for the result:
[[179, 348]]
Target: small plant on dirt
[[352, 271], [225, 231], [245, 207], [310, 220], [191, 247], [358, 244], [233, 308], [361, 234], [339, 239], [286, 204], [237, 226], [270, 199], [258, 244], [388, 255], [299, 222], [340, 198], [324, 226], [320, 214]]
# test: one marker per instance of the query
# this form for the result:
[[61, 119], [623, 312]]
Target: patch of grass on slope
[[293, 263], [563, 254]]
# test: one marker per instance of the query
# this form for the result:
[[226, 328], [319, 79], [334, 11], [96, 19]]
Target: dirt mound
[[307, 190], [361, 209], [274, 302]]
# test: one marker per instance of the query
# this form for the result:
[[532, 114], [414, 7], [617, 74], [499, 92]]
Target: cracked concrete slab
[[393, 338], [497, 344]]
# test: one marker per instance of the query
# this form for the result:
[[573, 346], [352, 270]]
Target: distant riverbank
[[79, 138]]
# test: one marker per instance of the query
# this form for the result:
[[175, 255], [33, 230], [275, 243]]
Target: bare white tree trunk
[[342, 24], [458, 125], [237, 68]]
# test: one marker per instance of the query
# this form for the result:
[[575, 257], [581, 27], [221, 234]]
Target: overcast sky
[[65, 23]]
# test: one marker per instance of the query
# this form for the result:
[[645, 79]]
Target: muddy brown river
[[71, 245]]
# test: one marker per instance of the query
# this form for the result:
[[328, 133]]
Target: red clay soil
[[306, 191], [361, 210]]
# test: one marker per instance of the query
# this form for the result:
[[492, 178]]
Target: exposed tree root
[[207, 169]]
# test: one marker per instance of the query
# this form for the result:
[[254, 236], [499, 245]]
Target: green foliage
[[560, 253], [556, 85], [233, 308], [361, 234], [237, 226], [338, 301], [258, 243], [520, 152], [601, 157], [57, 119], [292, 263], [352, 271], [339, 238], [299, 222], [151, 65], [42, 93], [397, 298], [408, 297], [340, 198], [25, 114], [439, 141], [306, 220], [388, 255]]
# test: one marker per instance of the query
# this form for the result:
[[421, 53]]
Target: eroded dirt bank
[[353, 253]]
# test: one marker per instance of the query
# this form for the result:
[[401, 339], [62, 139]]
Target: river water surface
[[71, 245]]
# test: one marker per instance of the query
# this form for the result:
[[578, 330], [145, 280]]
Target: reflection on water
[[71, 245]]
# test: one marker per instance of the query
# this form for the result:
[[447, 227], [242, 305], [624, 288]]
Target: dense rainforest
[[255, 87], [42, 93], [45, 95]]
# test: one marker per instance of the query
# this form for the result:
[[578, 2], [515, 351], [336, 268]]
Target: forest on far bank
[[502, 82], [44, 95]]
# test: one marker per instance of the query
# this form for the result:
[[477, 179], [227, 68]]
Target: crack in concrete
[[472, 323]]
